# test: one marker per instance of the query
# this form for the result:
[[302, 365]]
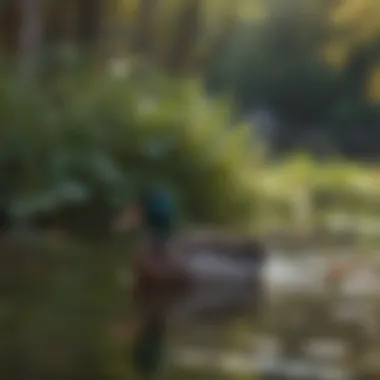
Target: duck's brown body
[[168, 266], [156, 272], [168, 282]]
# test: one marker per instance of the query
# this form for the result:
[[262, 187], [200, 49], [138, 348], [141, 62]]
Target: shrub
[[85, 139]]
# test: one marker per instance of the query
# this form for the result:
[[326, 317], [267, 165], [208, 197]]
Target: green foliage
[[283, 63], [301, 195], [84, 145], [83, 139]]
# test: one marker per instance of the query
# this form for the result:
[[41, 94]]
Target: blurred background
[[261, 116]]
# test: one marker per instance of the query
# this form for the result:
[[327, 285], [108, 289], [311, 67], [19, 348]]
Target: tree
[[89, 20], [188, 27], [9, 25], [146, 21], [30, 33]]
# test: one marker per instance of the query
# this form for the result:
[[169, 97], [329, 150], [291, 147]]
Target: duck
[[167, 257], [172, 267]]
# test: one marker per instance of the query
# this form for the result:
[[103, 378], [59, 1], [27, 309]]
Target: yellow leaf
[[335, 53]]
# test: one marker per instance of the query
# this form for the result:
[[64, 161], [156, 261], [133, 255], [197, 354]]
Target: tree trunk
[[9, 26], [143, 43], [30, 34], [89, 23], [210, 54], [186, 36], [56, 23]]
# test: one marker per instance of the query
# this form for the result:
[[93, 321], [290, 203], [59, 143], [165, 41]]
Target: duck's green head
[[158, 211]]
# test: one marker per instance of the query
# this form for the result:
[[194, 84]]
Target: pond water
[[303, 328]]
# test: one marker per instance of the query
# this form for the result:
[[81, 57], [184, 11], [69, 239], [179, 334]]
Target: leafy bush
[[318, 191], [85, 143], [84, 139]]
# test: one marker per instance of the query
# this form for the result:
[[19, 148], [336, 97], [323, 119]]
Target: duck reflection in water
[[148, 344], [191, 275]]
